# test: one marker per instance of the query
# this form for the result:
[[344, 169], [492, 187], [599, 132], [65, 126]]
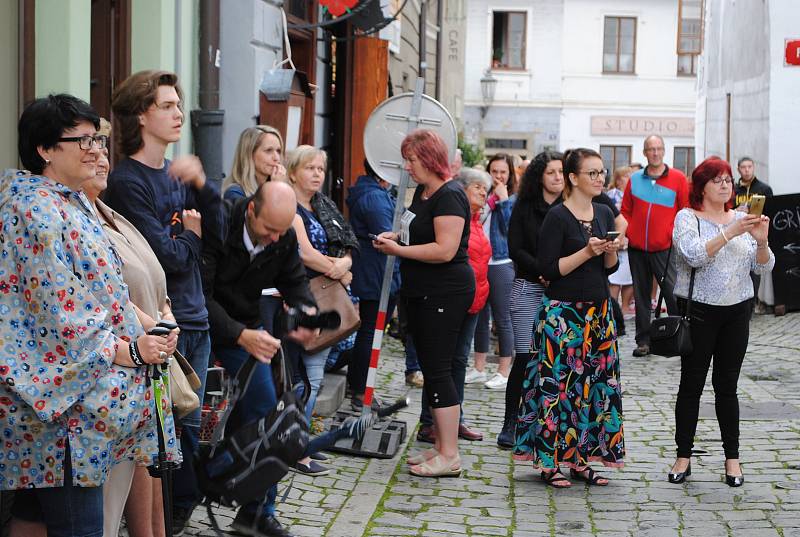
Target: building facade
[[584, 73], [748, 101]]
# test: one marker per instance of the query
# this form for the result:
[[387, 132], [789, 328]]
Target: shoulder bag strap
[[691, 280], [661, 284]]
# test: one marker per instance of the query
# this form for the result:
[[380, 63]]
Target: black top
[[154, 202], [455, 276], [523, 233], [232, 282], [744, 193], [561, 235]]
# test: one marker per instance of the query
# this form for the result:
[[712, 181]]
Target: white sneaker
[[497, 382], [474, 376]]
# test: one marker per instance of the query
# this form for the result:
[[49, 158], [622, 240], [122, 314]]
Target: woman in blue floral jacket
[[72, 396]]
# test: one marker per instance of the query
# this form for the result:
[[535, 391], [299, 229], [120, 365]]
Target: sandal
[[422, 457], [591, 477], [555, 479], [438, 466]]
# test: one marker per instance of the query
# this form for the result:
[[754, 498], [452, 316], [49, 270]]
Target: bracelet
[[136, 358], [722, 231], [762, 246]]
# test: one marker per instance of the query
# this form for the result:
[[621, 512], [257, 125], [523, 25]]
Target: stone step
[[331, 394]]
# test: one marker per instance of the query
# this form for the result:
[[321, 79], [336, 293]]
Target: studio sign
[[642, 126]]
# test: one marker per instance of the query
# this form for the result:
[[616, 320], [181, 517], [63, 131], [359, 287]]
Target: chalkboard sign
[[784, 240]]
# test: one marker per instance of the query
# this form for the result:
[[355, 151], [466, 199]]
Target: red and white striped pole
[[388, 273]]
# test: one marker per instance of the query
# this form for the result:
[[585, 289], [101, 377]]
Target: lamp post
[[488, 86]]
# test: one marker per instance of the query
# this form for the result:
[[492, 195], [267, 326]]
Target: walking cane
[[163, 468]]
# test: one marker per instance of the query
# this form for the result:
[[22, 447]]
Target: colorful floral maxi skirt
[[571, 407]]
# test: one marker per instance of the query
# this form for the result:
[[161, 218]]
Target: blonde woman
[[326, 240], [258, 159]]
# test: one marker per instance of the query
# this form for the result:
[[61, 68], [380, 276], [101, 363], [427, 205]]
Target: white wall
[[784, 102], [654, 90]]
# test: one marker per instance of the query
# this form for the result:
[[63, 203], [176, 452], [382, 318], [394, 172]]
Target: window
[[683, 160], [508, 39], [690, 35], [615, 156], [619, 45], [506, 143]]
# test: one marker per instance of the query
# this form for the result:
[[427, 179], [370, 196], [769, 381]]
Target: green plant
[[470, 154]]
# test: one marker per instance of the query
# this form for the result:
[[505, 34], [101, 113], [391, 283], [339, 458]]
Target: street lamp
[[488, 86]]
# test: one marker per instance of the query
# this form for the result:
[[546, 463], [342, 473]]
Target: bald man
[[260, 251]]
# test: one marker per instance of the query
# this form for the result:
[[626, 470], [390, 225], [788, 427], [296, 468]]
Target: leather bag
[[671, 335], [183, 386], [332, 295]]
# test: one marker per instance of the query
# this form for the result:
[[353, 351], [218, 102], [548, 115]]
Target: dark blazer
[[232, 283], [523, 235]]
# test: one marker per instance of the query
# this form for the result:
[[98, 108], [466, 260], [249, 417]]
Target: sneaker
[[247, 523], [497, 382], [180, 517], [313, 469], [415, 379], [641, 350], [474, 376]]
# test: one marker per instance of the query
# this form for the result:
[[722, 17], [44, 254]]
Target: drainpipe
[[423, 38], [208, 119]]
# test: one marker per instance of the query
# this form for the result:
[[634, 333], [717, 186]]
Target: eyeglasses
[[85, 142], [594, 175], [722, 179]]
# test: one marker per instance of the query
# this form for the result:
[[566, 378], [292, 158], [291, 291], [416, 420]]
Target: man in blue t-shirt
[[173, 205]]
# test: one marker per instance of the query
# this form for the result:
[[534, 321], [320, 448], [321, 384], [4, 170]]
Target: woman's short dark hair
[[530, 185], [512, 174], [706, 171], [44, 121], [573, 160]]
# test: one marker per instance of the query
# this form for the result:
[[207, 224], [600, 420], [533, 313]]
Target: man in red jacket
[[652, 198]]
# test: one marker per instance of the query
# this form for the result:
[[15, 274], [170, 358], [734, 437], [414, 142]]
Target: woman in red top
[[476, 184]]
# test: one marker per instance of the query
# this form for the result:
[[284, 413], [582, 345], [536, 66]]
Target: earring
[[47, 162]]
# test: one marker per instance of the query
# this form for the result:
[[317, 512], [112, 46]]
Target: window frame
[[524, 67], [614, 148], [619, 20], [695, 55], [690, 163]]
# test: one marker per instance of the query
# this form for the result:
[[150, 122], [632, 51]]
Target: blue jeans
[[315, 371], [256, 403], [459, 369], [67, 511], [195, 346]]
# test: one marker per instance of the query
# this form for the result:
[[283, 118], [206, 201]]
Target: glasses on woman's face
[[595, 175], [85, 142], [722, 179]]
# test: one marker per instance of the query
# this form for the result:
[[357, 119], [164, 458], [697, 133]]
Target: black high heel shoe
[[734, 480], [680, 477]]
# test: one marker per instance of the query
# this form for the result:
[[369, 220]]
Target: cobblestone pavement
[[496, 496]]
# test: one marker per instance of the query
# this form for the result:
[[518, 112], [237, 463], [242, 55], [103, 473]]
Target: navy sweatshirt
[[154, 202]]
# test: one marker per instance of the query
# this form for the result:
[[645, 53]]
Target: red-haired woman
[[438, 285], [722, 246]]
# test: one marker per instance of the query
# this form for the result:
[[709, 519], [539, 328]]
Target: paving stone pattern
[[496, 496]]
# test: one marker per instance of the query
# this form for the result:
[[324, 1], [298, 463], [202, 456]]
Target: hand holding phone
[[611, 235], [756, 205], [372, 236]]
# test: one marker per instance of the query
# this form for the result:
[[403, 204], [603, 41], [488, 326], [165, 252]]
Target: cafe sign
[[642, 126]]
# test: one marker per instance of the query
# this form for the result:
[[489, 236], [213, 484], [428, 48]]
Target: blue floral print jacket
[[63, 311]]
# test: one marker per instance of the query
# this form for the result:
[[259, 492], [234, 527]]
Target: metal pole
[[399, 208]]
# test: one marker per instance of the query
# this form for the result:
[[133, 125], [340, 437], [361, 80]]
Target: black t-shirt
[[561, 235], [455, 276]]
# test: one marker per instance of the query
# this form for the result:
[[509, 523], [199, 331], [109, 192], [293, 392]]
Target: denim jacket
[[498, 226]]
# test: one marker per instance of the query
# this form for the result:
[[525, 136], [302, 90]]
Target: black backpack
[[241, 467]]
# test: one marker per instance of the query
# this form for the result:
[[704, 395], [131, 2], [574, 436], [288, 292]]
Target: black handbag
[[671, 335]]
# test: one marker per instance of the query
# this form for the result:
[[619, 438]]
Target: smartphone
[[756, 205], [372, 236], [611, 235]]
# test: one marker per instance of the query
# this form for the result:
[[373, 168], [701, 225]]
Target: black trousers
[[434, 323], [645, 265], [720, 333]]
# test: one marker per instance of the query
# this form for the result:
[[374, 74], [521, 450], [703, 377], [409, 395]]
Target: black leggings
[[721, 333], [434, 323]]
